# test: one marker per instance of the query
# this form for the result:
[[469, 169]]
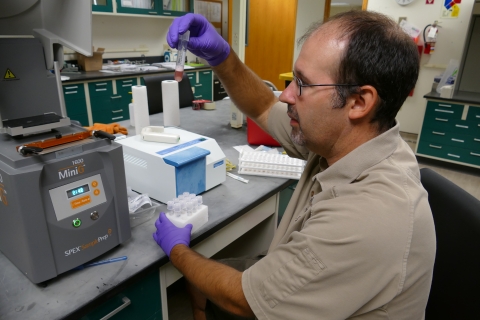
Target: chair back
[[154, 92], [456, 275]]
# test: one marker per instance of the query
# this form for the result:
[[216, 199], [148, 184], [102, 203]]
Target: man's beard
[[297, 134]]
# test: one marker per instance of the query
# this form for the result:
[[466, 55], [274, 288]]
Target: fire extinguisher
[[431, 39]]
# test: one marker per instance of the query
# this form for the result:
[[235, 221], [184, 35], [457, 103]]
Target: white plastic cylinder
[[171, 104], [140, 101]]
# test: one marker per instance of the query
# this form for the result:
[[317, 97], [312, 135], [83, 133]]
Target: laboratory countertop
[[97, 75], [75, 293], [459, 96]]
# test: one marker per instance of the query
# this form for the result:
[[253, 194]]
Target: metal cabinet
[[155, 7], [451, 132], [102, 5], [202, 84], [108, 104], [76, 104], [140, 301]]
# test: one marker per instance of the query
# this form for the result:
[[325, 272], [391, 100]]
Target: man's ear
[[362, 105]]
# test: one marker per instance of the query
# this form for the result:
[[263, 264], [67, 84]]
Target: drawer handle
[[461, 126], [444, 105], [152, 12], [207, 72], [222, 92], [117, 111], [198, 96], [440, 119], [166, 13], [117, 118], [71, 92], [126, 303], [126, 85], [446, 111], [458, 140], [198, 85], [477, 116], [453, 155], [439, 133], [476, 139], [116, 97], [75, 87], [101, 84], [475, 154], [125, 81], [101, 89], [434, 146]]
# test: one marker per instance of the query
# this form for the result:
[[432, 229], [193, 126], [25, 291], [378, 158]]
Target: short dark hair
[[379, 53]]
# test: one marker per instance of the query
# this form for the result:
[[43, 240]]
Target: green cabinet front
[[102, 5], [75, 102], [202, 84], [147, 7], [144, 297]]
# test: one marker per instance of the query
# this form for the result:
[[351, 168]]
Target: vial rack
[[270, 165]]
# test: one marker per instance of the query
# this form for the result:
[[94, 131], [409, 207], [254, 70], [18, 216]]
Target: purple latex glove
[[205, 42], [168, 235]]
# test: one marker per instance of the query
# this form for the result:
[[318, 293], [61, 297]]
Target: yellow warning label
[[9, 75]]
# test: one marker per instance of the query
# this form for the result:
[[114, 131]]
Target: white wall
[[450, 44], [308, 11], [127, 33]]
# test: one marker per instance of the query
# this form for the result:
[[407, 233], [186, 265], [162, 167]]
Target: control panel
[[77, 196]]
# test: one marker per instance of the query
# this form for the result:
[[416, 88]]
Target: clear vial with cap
[[199, 200], [186, 195], [170, 207], [181, 197], [177, 208], [184, 207], [190, 208], [182, 51]]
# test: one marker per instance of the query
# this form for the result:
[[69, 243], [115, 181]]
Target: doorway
[[333, 7]]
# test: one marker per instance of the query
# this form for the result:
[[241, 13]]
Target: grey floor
[[466, 177]]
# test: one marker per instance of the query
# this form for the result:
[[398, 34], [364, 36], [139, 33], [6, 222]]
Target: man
[[357, 239]]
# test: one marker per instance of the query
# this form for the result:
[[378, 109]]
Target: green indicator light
[[77, 222]]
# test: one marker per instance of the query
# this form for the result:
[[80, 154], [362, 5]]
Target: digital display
[[77, 191]]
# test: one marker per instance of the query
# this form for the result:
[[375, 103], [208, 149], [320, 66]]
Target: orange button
[[94, 183], [96, 192], [80, 202]]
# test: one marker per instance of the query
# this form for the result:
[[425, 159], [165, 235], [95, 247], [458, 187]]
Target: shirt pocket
[[291, 277]]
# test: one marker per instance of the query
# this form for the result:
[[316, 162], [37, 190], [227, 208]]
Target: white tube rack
[[270, 165]]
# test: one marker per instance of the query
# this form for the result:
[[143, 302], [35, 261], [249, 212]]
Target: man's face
[[315, 123]]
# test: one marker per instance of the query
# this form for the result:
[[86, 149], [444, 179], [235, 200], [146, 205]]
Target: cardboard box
[[92, 63]]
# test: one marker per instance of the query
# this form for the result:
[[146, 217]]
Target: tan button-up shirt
[[356, 241]]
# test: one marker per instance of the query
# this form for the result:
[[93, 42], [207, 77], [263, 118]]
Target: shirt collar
[[348, 168]]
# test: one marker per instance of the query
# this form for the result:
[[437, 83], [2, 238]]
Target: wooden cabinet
[[202, 84], [140, 301], [451, 132]]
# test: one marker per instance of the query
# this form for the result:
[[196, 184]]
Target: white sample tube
[[182, 51]]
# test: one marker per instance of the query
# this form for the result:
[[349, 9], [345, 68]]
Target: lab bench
[[451, 129], [98, 97], [138, 285]]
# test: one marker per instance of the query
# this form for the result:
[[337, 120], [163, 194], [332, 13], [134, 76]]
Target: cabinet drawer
[[451, 138], [77, 106], [448, 152], [451, 125], [473, 114], [74, 91], [192, 76], [443, 110], [124, 86], [144, 299], [103, 88], [205, 76]]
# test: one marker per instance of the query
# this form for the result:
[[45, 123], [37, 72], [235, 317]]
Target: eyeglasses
[[300, 84]]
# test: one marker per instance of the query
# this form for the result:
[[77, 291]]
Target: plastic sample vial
[[182, 51], [170, 207], [177, 208], [190, 208]]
